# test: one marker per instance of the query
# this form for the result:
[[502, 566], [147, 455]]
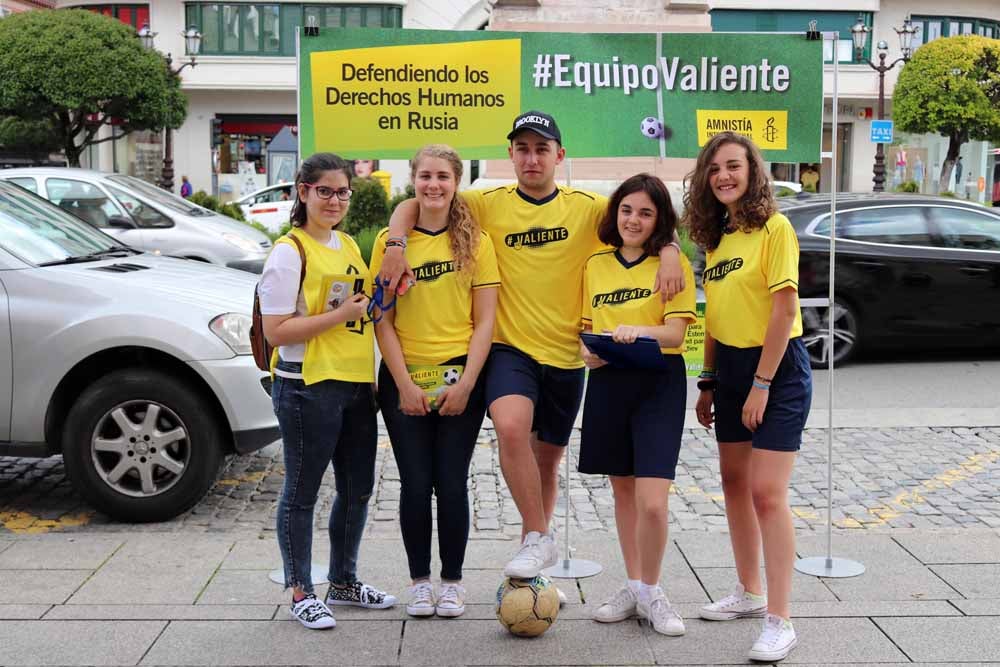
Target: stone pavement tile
[[567, 642], [886, 583], [836, 640], [720, 581], [11, 612], [965, 547], [76, 642], [982, 607], [59, 552], [166, 612], [676, 578], [972, 581], [273, 643], [872, 549], [873, 608], [473, 612], [949, 640], [156, 569], [33, 587], [706, 549], [255, 555], [241, 587]]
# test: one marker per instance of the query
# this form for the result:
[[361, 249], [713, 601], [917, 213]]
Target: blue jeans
[[329, 421], [433, 454]]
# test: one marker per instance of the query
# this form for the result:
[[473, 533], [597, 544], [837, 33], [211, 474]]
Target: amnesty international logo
[[770, 131], [536, 237]]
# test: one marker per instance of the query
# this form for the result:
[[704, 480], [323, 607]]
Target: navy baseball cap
[[538, 122]]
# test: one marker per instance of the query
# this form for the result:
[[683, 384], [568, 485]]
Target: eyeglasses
[[377, 306], [324, 192]]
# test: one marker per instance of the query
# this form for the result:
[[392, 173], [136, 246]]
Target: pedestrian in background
[[186, 189], [757, 374], [322, 393]]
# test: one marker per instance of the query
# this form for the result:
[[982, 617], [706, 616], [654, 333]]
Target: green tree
[[65, 74], [951, 87]]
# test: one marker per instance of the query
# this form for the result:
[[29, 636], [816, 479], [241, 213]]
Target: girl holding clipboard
[[434, 344], [633, 418]]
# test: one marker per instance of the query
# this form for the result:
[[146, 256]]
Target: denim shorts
[[633, 421], [788, 401], [556, 392]]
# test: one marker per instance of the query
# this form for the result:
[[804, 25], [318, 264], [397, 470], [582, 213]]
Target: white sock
[[646, 591], [633, 585]]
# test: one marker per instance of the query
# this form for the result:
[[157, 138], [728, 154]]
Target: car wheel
[[816, 334], [140, 446]]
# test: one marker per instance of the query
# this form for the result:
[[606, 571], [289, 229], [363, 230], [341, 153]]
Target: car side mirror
[[121, 222]]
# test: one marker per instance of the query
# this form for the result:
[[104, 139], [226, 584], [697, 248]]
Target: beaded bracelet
[[762, 378]]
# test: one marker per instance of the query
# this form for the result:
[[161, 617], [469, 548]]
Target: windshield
[[160, 196], [39, 232]]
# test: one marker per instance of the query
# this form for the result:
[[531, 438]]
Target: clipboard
[[643, 354]]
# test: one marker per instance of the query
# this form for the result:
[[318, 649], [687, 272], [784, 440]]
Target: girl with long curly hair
[[756, 375], [442, 330]]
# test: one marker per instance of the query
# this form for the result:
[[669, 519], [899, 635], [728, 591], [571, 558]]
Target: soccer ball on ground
[[651, 128], [451, 375], [527, 607]]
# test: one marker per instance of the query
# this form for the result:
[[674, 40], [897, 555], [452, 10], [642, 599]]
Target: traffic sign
[[881, 132]]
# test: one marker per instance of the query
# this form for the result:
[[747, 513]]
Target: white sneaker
[[661, 614], [537, 553], [776, 640], [738, 604], [421, 599], [312, 613], [618, 607], [451, 600]]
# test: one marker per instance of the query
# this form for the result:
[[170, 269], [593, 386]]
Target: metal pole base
[[573, 568], [318, 575], [836, 568]]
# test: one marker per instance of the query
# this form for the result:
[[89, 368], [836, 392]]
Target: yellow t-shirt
[[541, 247], [740, 277], [345, 352], [434, 321], [619, 292]]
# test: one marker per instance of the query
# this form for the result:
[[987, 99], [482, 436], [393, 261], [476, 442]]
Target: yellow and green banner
[[384, 93]]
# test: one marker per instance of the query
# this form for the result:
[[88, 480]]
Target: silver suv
[[146, 217], [135, 367]]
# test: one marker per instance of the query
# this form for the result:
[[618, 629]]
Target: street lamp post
[[192, 44], [859, 33]]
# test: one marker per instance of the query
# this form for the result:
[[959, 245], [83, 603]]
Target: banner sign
[[694, 344], [384, 93]]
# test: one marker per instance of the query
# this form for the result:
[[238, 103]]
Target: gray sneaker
[[618, 607], [537, 553], [738, 604]]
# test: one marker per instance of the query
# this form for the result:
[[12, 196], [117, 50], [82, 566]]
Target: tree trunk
[[72, 152], [954, 145]]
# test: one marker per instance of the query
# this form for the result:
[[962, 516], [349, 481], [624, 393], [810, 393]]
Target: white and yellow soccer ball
[[527, 607]]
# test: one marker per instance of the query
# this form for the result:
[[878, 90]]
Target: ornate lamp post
[[192, 44], [859, 33]]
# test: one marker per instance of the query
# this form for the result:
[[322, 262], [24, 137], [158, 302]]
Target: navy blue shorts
[[556, 392], [788, 400], [633, 421]]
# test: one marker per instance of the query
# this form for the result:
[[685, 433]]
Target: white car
[[146, 217], [135, 367], [270, 206]]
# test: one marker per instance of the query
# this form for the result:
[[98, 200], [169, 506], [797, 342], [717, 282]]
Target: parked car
[[270, 206], [146, 217], [911, 271], [134, 366]]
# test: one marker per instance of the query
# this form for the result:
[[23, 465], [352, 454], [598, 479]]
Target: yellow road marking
[[25, 523]]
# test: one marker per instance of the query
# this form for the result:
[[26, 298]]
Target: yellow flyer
[[434, 379]]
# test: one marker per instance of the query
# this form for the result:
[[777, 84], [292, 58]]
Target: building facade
[[245, 78]]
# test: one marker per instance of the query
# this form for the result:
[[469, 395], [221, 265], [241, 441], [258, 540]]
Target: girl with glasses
[[313, 302], [434, 344]]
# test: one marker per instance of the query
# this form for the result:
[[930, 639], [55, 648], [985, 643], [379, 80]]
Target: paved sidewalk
[[928, 597]]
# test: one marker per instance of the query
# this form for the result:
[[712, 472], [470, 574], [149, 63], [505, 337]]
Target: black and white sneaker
[[312, 613], [359, 595]]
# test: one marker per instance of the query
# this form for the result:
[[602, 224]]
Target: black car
[[911, 271]]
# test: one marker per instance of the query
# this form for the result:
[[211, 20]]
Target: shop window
[[930, 28], [739, 20], [252, 28], [133, 15]]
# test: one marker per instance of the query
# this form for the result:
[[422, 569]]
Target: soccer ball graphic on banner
[[651, 128], [527, 607], [451, 375]]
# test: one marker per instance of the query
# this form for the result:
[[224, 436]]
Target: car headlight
[[233, 329], [241, 242]]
